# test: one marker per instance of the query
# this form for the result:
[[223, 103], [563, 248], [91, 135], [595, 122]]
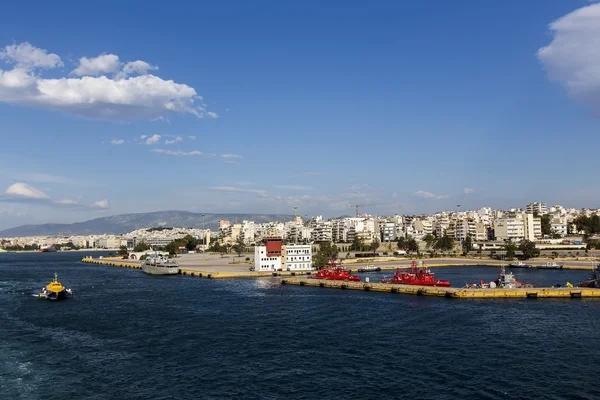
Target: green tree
[[239, 247], [511, 250], [402, 242], [546, 220], [429, 239], [468, 244], [413, 245], [374, 245], [445, 243], [142, 246], [357, 244], [528, 249], [327, 252], [123, 251]]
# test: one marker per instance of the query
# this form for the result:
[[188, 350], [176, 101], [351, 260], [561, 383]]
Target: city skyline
[[406, 108]]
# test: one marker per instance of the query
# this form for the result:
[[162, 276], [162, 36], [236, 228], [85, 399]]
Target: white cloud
[[180, 153], [91, 93], [258, 192], [117, 141], [211, 114], [468, 190], [67, 202], [573, 56], [231, 156], [293, 187], [192, 137], [105, 63], [138, 67], [153, 139], [24, 190], [24, 55], [313, 173], [176, 140], [100, 204], [429, 195]]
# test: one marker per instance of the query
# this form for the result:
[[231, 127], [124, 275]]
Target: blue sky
[[408, 106]]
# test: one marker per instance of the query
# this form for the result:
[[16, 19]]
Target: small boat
[[369, 268], [550, 265], [55, 291], [594, 281], [335, 273], [505, 280], [418, 275], [160, 265], [519, 264]]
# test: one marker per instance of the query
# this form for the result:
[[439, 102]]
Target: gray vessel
[[160, 265], [550, 265]]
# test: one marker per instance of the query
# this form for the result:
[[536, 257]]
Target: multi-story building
[[267, 257], [509, 228], [537, 208], [322, 232], [297, 257], [465, 227], [388, 232], [532, 227], [272, 255], [559, 226]]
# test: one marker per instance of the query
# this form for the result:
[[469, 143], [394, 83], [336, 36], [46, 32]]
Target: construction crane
[[357, 206]]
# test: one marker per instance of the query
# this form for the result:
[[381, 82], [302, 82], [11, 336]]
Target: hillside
[[124, 223]]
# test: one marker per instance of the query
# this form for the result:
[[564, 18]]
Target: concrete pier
[[459, 293]]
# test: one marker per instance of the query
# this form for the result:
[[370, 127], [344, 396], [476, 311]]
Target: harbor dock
[[199, 271], [459, 293]]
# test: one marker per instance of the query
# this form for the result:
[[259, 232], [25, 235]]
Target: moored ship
[[160, 265], [335, 272], [505, 280], [594, 281], [550, 265], [418, 275], [48, 249], [369, 268], [519, 264]]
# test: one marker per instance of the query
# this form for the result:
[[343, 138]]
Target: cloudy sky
[[403, 107]]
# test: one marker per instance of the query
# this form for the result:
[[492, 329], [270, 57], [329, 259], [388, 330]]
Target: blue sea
[[127, 335]]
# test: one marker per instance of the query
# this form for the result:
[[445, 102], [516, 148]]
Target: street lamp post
[[203, 240], [457, 221], [296, 233]]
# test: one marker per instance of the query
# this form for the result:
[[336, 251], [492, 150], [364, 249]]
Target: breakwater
[[460, 293]]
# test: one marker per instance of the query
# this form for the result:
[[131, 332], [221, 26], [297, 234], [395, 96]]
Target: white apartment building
[[465, 227], [509, 228], [532, 227], [559, 226], [322, 232], [388, 232], [297, 257], [535, 207]]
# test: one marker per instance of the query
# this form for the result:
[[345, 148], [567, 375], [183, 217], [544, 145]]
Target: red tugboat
[[416, 276], [335, 273]]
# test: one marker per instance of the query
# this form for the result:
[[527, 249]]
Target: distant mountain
[[123, 223]]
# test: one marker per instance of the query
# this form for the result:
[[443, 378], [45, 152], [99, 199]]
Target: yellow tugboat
[[55, 290]]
